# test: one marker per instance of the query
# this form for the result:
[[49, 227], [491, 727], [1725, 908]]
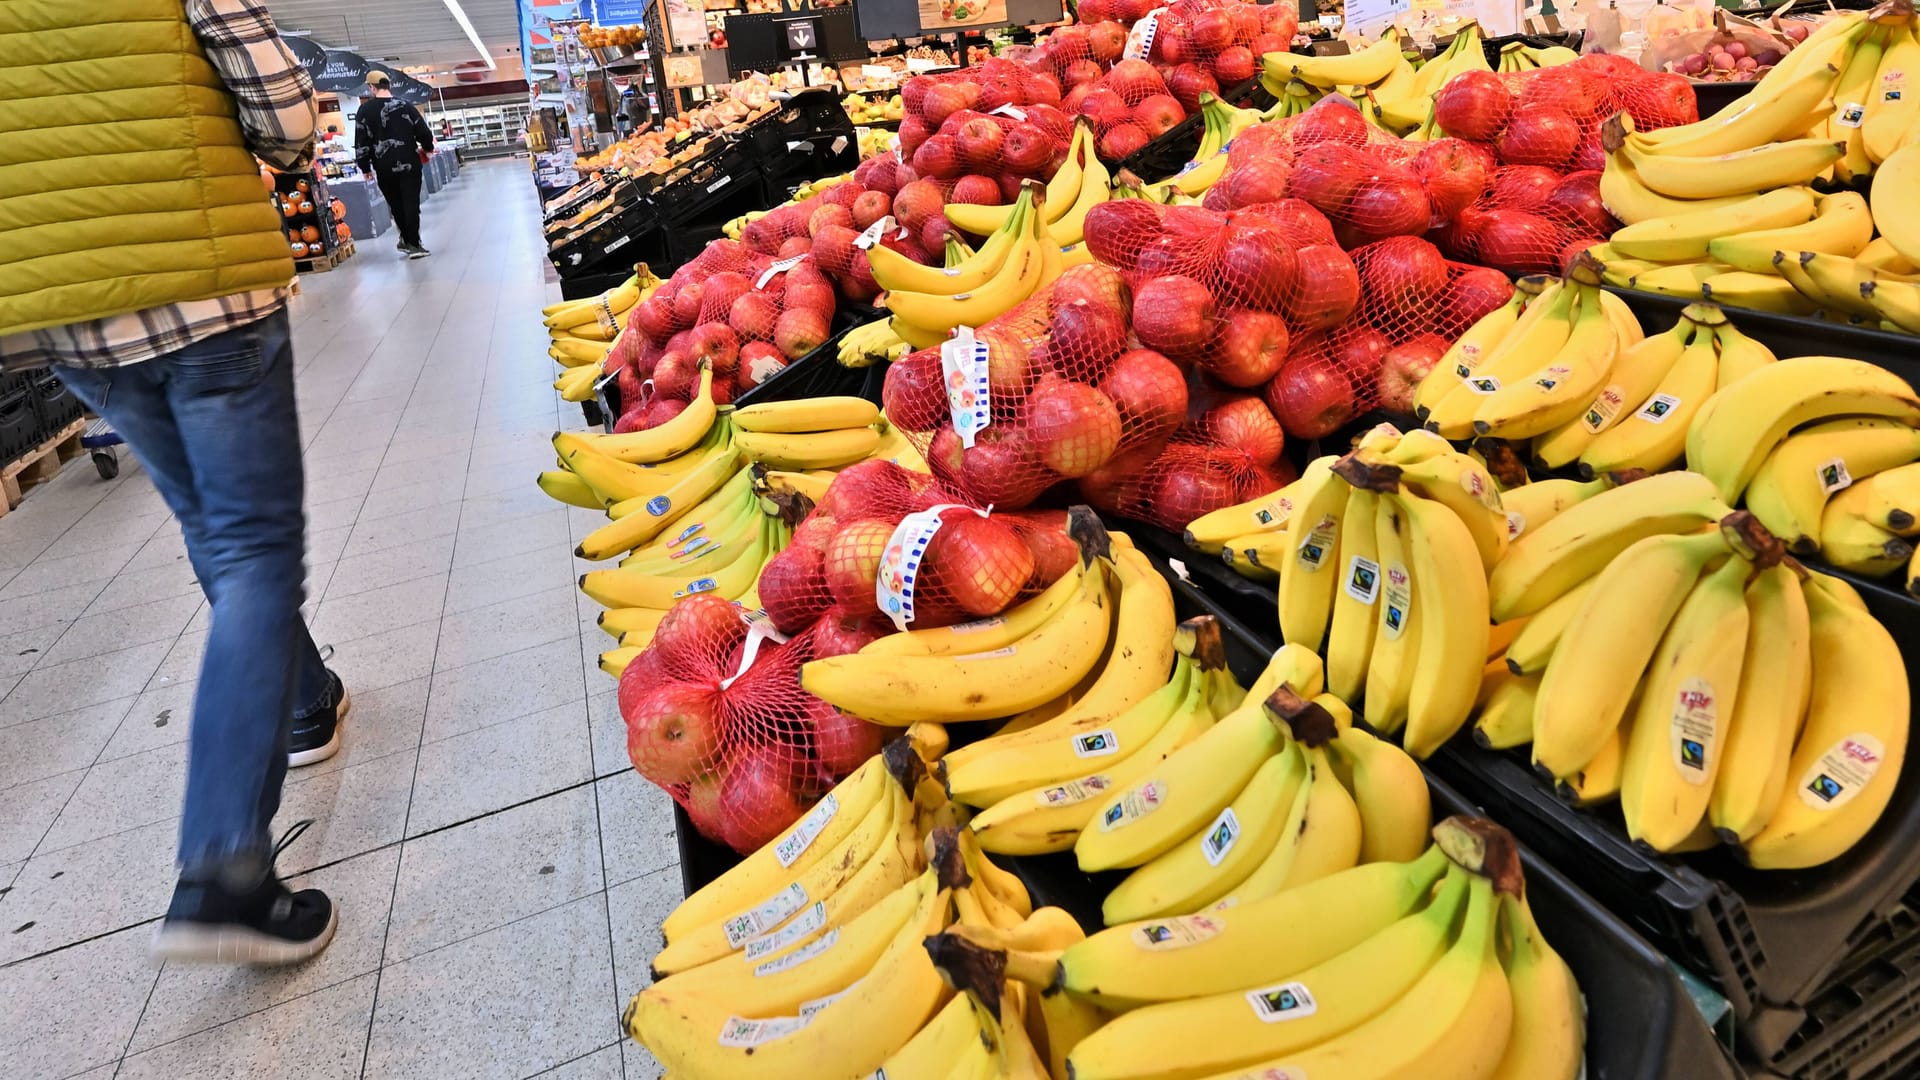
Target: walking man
[[166, 315], [391, 140]]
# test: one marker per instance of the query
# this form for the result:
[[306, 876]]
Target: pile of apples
[[1551, 117]]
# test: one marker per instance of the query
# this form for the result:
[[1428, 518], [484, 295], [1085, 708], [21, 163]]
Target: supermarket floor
[[500, 871]]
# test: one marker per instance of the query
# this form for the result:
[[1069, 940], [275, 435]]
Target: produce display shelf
[[1768, 940], [1164, 156], [613, 239], [819, 374]]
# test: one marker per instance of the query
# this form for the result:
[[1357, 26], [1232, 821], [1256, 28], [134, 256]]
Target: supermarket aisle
[[499, 869]]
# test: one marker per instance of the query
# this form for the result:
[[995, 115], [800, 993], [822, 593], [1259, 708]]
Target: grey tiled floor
[[500, 871]]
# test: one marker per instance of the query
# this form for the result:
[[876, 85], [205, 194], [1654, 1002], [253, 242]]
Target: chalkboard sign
[[880, 20]]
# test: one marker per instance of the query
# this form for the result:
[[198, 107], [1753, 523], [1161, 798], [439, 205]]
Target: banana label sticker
[[1893, 85], [1848, 765], [1363, 580], [1288, 1001], [802, 835], [798, 956], [977, 626], [814, 919], [1273, 512], [1075, 791], [809, 1009], [769, 913], [1551, 377], [1658, 408], [1516, 524], [1695, 729], [1469, 359], [1479, 485], [1852, 114], [1134, 804], [1834, 475], [659, 505], [740, 1032], [1482, 384], [1317, 547], [1096, 743], [1604, 408], [698, 585], [1219, 838], [1399, 605], [1176, 933]]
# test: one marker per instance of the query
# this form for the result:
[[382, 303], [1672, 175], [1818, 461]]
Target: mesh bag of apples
[[972, 562], [738, 310], [715, 716], [714, 710], [1000, 121], [1552, 116], [1531, 220]]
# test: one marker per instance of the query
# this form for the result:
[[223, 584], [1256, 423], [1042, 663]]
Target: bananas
[[1742, 424], [806, 415], [930, 315], [1396, 977]]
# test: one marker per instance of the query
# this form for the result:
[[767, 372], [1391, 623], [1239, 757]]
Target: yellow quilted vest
[[125, 182]]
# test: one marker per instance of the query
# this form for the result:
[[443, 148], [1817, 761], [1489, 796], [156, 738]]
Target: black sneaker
[[417, 252], [268, 925], [316, 737]]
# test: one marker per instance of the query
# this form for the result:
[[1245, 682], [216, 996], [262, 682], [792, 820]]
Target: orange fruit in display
[[311, 234], [289, 208], [299, 249]]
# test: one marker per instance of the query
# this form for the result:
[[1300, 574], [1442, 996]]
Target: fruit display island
[[1294, 611]]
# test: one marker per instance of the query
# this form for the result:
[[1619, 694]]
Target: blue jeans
[[214, 425]]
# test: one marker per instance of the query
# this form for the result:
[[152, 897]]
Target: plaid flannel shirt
[[278, 114]]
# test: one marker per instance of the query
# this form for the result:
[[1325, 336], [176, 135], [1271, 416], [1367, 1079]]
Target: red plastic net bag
[[1552, 116], [890, 544], [715, 716], [1532, 220]]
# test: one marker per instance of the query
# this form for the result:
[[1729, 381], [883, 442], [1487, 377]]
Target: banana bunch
[[1402, 102], [1427, 965], [1081, 183], [1006, 1021], [1038, 786], [1297, 794], [812, 433], [1518, 56], [1114, 608], [1669, 656], [811, 950], [1222, 123], [872, 343], [1531, 368], [1296, 97], [1374, 64], [576, 383], [1018, 258], [581, 332], [1831, 467]]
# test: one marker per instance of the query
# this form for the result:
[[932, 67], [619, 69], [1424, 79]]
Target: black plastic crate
[[1866, 1022], [819, 374], [1164, 156], [614, 241], [689, 189], [19, 423], [1641, 1024], [53, 402]]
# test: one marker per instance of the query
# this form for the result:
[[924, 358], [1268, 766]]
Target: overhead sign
[[311, 54], [344, 71], [619, 12]]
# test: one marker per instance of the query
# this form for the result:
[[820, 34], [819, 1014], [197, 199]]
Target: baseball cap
[[377, 78]]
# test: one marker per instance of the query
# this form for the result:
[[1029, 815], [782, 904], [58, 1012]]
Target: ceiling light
[[460, 16]]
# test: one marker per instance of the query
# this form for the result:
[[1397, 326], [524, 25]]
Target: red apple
[[1158, 114], [1250, 350], [1473, 105], [1389, 203], [1404, 278], [1311, 396], [1244, 423], [1074, 427], [1150, 393], [1453, 173], [1358, 350], [1402, 369], [1173, 314], [673, 732], [1327, 288], [1025, 149]]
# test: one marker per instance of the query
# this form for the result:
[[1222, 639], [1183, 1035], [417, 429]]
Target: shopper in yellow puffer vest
[[141, 257]]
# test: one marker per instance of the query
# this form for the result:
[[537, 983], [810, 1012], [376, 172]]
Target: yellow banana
[[1685, 236], [1842, 225], [1775, 679]]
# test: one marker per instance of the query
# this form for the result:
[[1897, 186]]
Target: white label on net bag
[[963, 366], [1140, 39], [900, 562], [778, 268]]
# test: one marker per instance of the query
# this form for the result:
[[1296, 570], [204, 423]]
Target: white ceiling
[[406, 32]]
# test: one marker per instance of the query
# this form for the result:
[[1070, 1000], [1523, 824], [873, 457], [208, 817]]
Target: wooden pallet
[[39, 465], [322, 263]]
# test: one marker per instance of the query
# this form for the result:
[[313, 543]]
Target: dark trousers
[[403, 196]]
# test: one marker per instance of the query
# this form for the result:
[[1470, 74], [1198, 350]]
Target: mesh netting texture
[[714, 709]]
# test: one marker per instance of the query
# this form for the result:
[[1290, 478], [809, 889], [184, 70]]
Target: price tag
[[1140, 39]]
